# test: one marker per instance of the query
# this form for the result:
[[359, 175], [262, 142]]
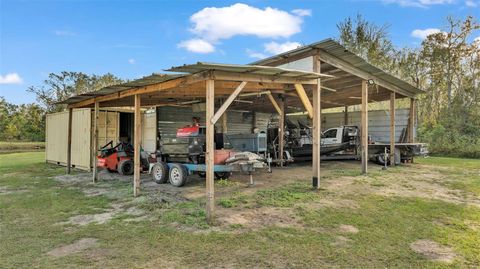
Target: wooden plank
[[274, 103], [281, 130], [210, 150], [364, 120], [392, 129], [341, 64], [411, 122], [137, 129], [225, 123], [304, 98], [316, 122], [95, 141], [69, 140], [228, 102]]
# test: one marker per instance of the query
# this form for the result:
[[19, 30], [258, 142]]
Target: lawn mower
[[120, 158]]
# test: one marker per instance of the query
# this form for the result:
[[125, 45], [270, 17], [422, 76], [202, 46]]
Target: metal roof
[[142, 82], [250, 69], [334, 48]]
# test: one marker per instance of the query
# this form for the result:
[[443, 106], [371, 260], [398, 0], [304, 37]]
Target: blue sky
[[135, 38]]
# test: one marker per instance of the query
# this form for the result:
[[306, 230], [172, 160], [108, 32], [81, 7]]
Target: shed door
[[149, 131]]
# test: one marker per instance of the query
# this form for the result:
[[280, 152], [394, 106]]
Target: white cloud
[[256, 55], [302, 12], [470, 3], [418, 3], [477, 39], [423, 33], [132, 61], [64, 33], [212, 24], [197, 45], [11, 78], [277, 48]]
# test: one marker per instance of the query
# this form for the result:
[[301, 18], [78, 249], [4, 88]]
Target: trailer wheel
[[222, 175], [178, 175], [125, 167], [160, 173]]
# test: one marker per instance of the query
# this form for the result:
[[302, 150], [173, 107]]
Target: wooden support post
[[69, 140], [210, 150], [95, 141], [392, 129], [274, 103], [411, 122], [254, 120], [281, 130], [304, 98], [364, 139], [345, 116], [316, 122], [137, 146]]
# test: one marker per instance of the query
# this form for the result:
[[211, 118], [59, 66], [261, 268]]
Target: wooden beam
[[210, 150], [137, 146], [95, 142], [69, 140], [328, 89], [411, 122], [281, 130], [225, 123], [392, 129], [274, 103], [364, 138], [316, 122], [341, 64], [232, 76], [304, 98], [228, 102]]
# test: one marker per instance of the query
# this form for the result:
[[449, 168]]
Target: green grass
[[177, 235], [16, 146]]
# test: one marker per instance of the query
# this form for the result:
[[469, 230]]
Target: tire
[[222, 175], [160, 173], [125, 167], [178, 175], [202, 174]]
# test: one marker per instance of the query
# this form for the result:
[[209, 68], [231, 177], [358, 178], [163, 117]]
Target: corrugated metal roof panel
[[339, 51]]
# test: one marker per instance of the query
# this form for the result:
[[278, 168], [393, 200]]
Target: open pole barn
[[311, 78]]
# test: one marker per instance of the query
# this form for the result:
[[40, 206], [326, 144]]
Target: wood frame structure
[[344, 78]]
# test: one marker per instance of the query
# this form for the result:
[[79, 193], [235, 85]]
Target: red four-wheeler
[[120, 158]]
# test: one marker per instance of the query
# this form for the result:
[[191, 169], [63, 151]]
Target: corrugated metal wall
[[378, 122], [172, 118]]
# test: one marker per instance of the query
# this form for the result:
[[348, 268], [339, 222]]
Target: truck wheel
[[125, 167], [178, 175], [160, 173], [222, 175]]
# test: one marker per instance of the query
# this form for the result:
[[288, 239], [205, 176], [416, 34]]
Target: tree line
[[446, 65]]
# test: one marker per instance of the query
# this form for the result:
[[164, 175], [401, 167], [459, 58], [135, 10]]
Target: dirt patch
[[340, 241], [258, 218], [5, 190], [433, 251], [104, 217], [348, 229], [73, 248]]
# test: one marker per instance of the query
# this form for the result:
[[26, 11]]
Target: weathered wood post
[[69, 140], [364, 138], [316, 122], [392, 129], [210, 150], [137, 146], [95, 141]]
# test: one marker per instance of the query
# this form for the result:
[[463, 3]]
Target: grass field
[[11, 147], [423, 215]]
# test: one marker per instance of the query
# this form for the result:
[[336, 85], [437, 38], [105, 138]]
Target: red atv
[[119, 158]]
